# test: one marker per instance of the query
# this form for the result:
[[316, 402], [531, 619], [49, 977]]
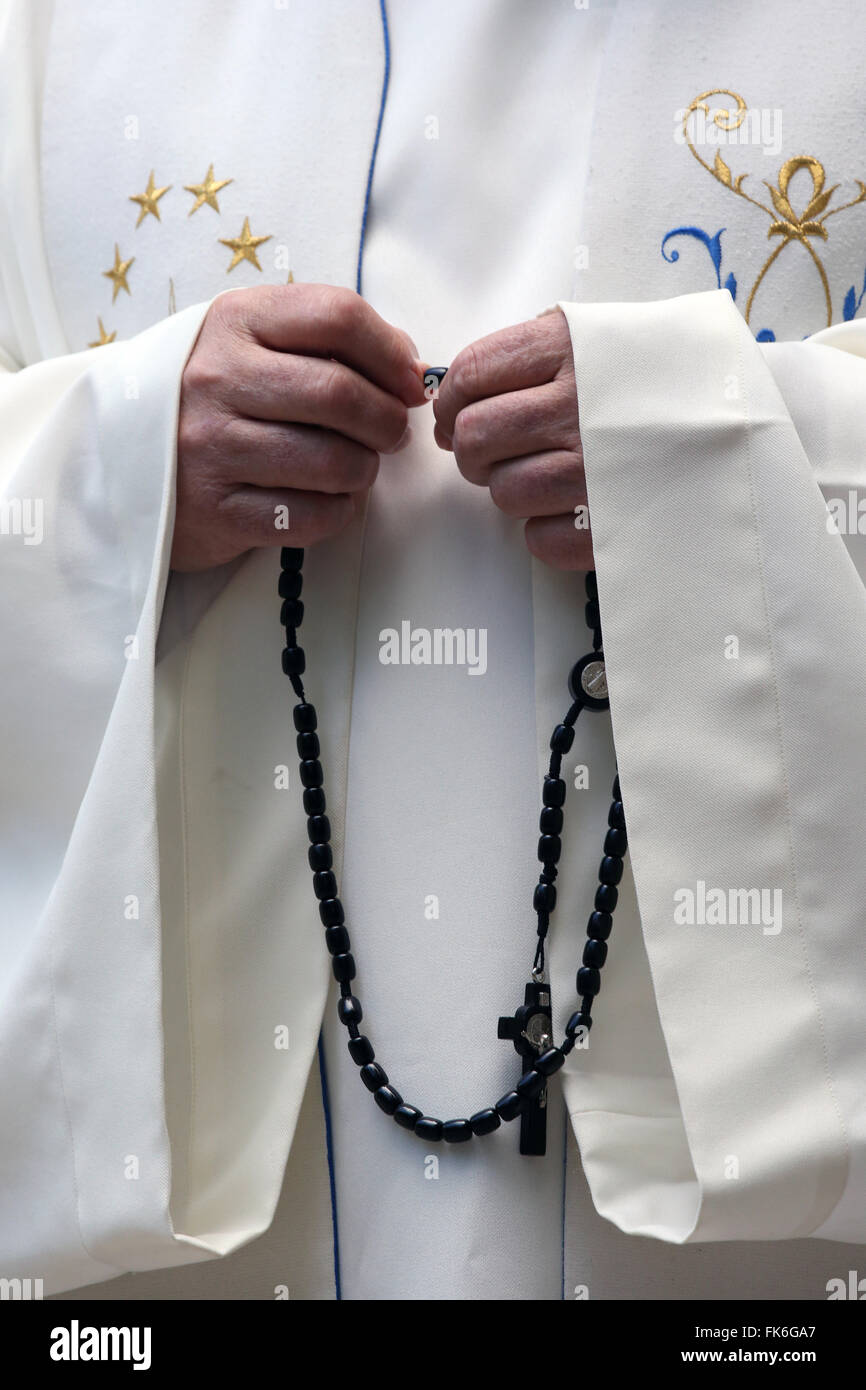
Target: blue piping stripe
[[323, 1075], [329, 1144], [385, 79]]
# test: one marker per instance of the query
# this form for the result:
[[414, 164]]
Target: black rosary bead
[[337, 940], [325, 884], [311, 773], [373, 1076], [331, 912], [388, 1099], [318, 828], [549, 1061], [594, 953], [484, 1121], [616, 793], [292, 613], [304, 715], [550, 820], [606, 897], [588, 980], [562, 738], [615, 842], [291, 557], [314, 801], [599, 925], [553, 791], [343, 966], [610, 869], [308, 745], [294, 661], [566, 1046], [428, 1128], [291, 583], [361, 1050], [591, 585], [531, 1084], [549, 848], [320, 857], [579, 1019], [591, 614], [407, 1116], [616, 816], [544, 898], [349, 1010], [456, 1131], [510, 1105]]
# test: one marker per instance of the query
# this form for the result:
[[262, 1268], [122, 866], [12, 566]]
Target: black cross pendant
[[530, 1029]]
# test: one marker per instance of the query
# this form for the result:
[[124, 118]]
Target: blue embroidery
[[853, 301], [713, 246]]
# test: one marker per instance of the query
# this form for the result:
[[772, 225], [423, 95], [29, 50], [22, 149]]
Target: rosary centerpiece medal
[[530, 1027]]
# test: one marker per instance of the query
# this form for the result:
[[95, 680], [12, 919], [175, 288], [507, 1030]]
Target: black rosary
[[530, 1027]]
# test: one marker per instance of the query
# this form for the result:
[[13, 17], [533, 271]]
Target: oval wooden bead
[[616, 792], [304, 715], [291, 584], [456, 1131], [606, 897], [318, 829], [591, 615], [325, 884], [373, 1076], [428, 1128], [595, 953], [599, 925], [311, 772], [331, 912], [549, 849], [361, 1050], [553, 791], [314, 801], [292, 612], [591, 585], [549, 1061], [579, 1019], [544, 897], [343, 966], [349, 1010], [562, 737], [291, 557], [308, 745], [616, 815], [337, 940], [320, 856], [407, 1116], [588, 980], [550, 820], [531, 1084], [388, 1099], [484, 1121], [610, 870], [294, 661], [615, 842], [510, 1105]]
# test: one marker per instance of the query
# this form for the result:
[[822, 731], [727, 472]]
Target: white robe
[[722, 1044]]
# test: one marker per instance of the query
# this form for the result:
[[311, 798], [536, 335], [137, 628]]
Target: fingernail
[[405, 439]]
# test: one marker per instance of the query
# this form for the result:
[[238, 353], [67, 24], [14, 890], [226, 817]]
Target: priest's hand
[[289, 396], [508, 410]]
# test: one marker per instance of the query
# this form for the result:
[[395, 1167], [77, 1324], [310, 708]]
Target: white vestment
[[159, 927]]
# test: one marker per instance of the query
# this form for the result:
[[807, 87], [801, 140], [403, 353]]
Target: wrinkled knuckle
[[467, 436], [342, 310], [469, 368], [394, 425], [505, 495]]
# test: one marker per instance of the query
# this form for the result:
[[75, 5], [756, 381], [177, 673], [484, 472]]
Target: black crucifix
[[530, 1029]]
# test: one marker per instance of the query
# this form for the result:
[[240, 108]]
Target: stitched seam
[[782, 758]]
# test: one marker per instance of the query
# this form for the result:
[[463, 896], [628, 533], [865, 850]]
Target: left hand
[[508, 410]]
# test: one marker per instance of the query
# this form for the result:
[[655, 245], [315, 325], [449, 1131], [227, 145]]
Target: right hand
[[288, 398]]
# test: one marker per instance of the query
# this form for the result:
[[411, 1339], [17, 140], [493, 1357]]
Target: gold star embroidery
[[103, 336], [148, 200], [244, 246], [206, 191], [117, 274]]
